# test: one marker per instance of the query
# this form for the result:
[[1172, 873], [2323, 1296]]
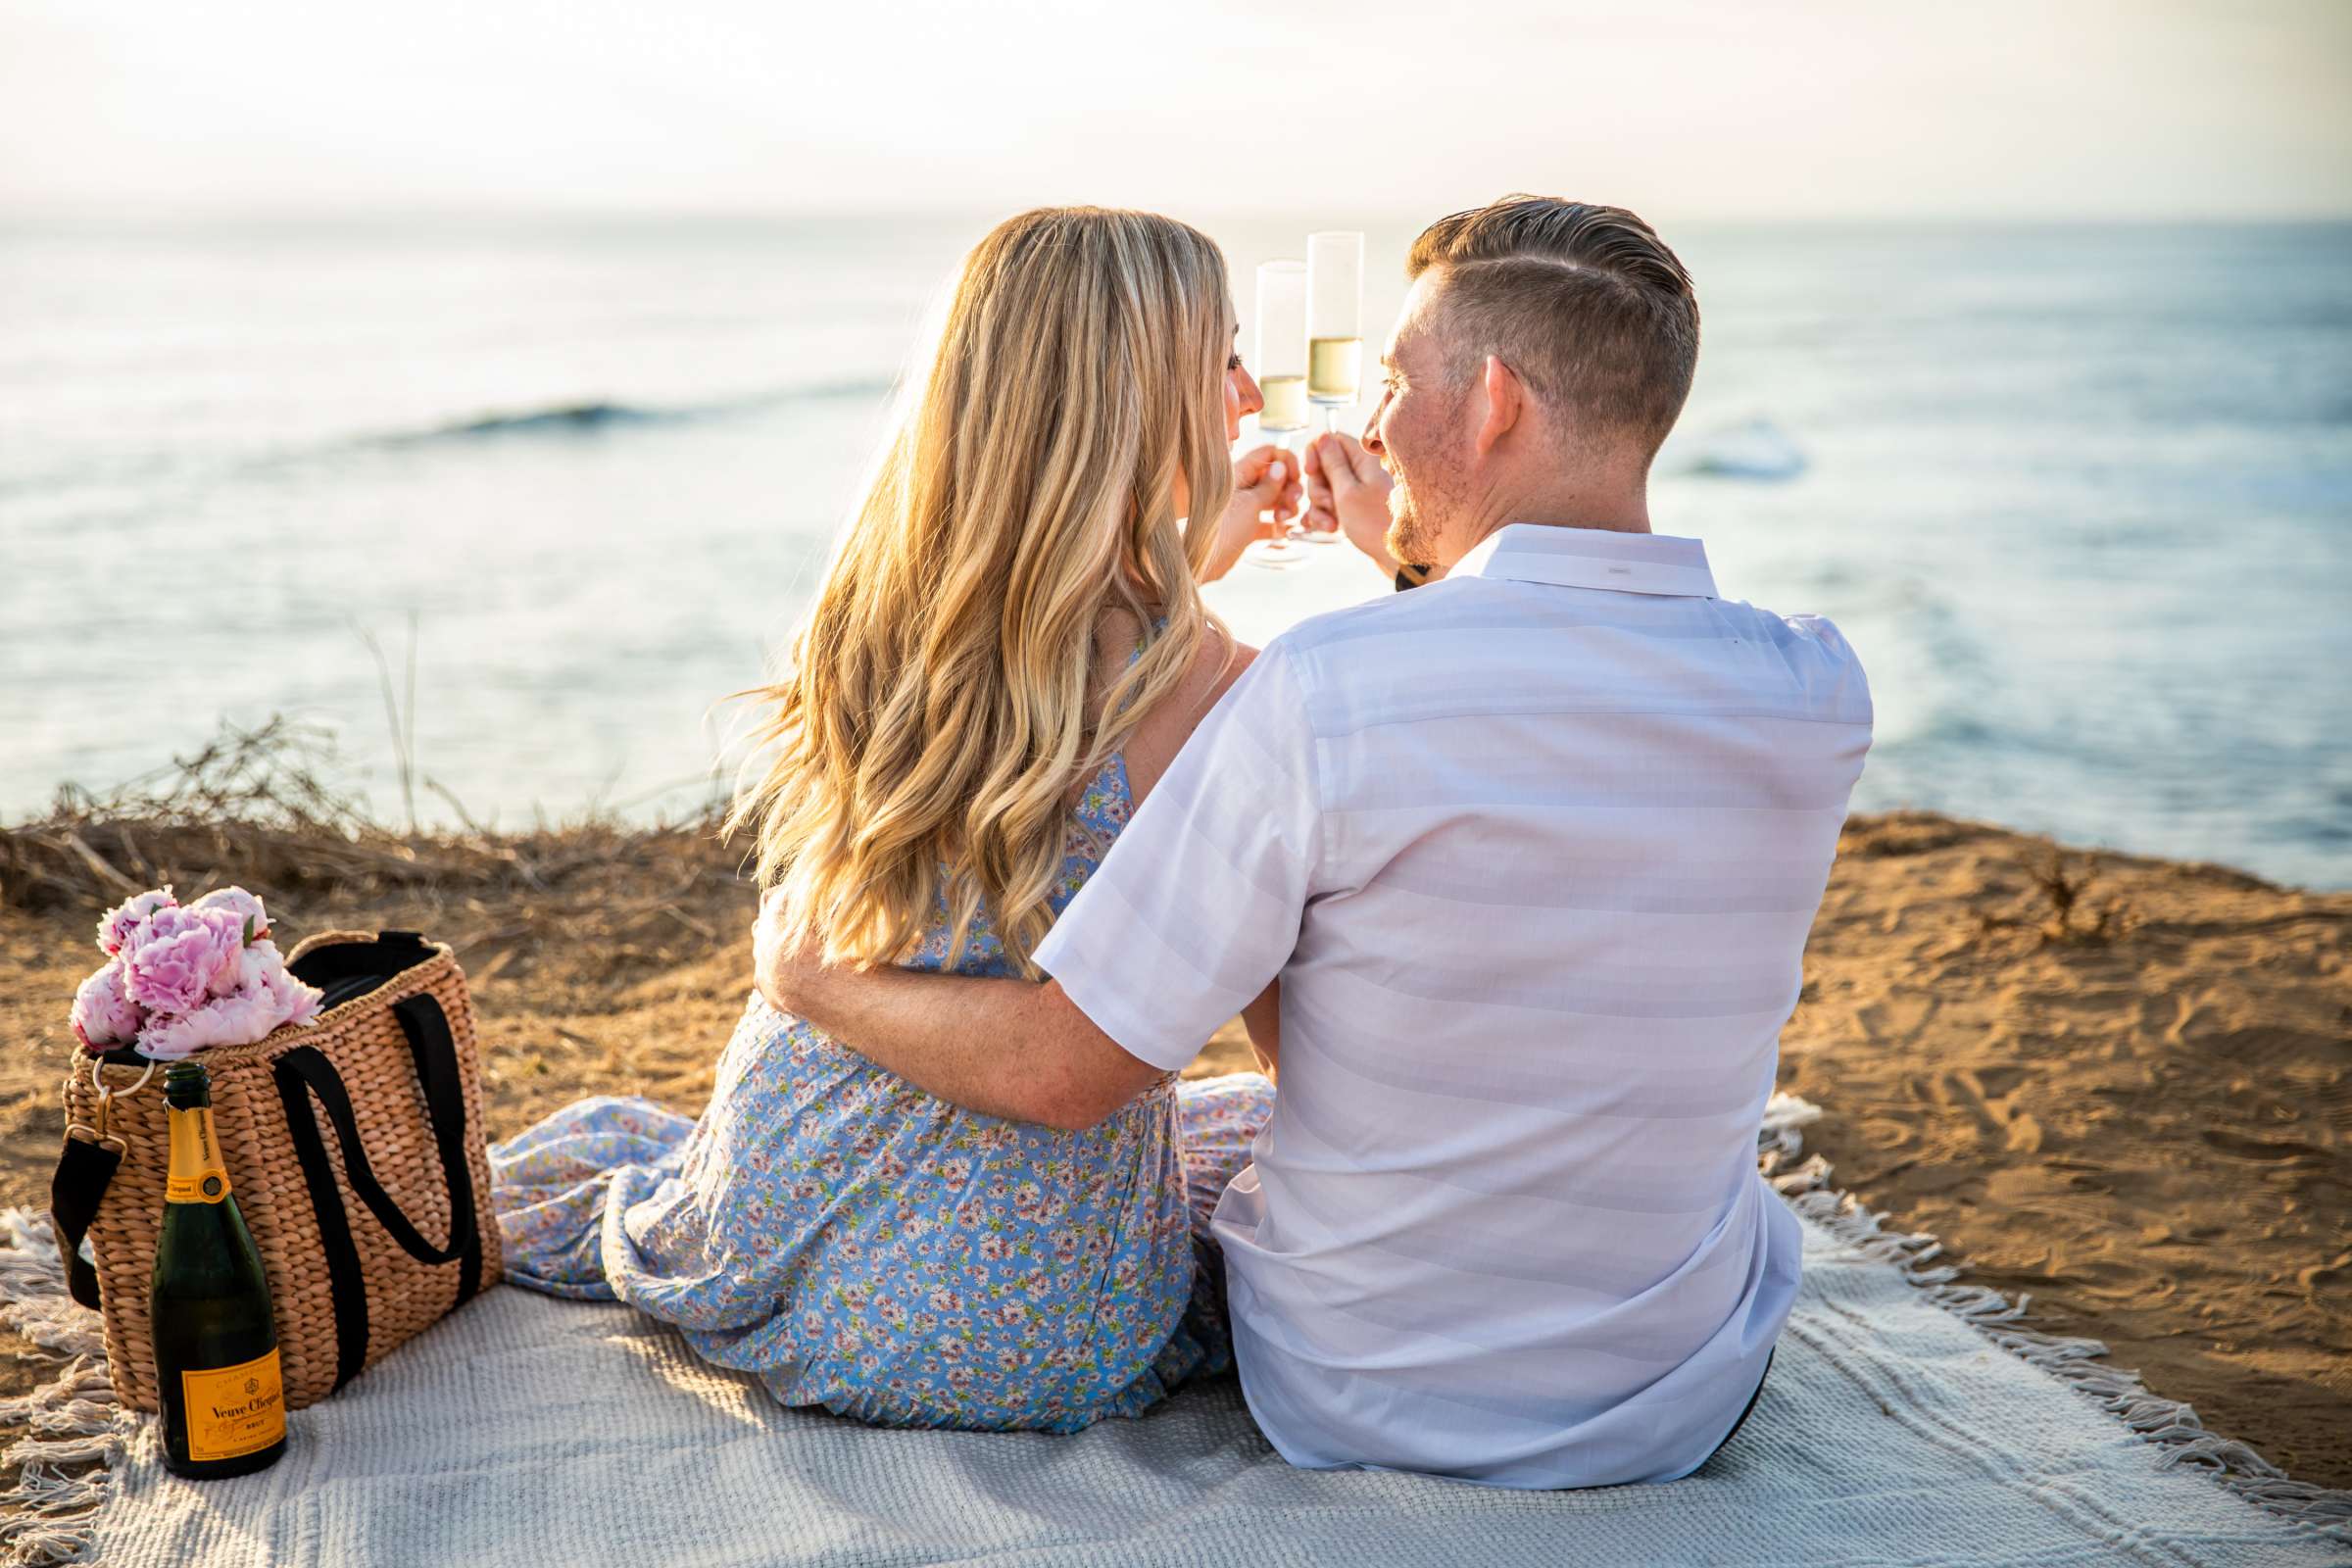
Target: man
[[1533, 851]]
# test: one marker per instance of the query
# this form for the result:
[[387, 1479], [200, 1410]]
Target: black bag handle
[[305, 1072]]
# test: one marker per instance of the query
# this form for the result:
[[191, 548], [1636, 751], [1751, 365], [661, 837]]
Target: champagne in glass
[[1335, 369], [1282, 380], [1285, 413], [1335, 310]]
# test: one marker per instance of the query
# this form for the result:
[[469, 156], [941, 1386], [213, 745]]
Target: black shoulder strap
[[84, 1170]]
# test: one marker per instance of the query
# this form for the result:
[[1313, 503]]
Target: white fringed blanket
[[1904, 1422]]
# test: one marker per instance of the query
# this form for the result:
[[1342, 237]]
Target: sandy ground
[[2139, 1115]]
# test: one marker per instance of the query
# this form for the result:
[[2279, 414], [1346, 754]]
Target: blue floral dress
[[861, 1245]]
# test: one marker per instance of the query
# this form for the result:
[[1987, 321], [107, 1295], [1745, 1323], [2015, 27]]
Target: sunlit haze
[[1698, 109]]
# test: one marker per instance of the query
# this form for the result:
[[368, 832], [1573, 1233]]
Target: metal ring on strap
[[105, 1094], [99, 1134]]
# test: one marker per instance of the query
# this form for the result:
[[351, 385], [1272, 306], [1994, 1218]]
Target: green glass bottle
[[215, 1341]]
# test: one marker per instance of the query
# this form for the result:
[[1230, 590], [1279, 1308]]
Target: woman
[[1008, 649]]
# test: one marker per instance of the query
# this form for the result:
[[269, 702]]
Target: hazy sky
[[1698, 109]]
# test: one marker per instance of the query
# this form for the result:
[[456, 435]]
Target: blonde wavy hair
[[941, 699]]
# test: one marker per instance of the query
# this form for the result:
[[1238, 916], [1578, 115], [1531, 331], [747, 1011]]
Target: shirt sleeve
[[1197, 905]]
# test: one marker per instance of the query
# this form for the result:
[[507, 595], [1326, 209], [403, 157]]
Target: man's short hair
[[1584, 303]]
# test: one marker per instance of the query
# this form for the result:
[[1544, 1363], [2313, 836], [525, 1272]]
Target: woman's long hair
[[940, 703]]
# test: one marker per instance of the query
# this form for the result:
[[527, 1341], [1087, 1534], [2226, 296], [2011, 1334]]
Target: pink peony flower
[[264, 998], [175, 959], [261, 969], [104, 1016], [188, 978], [241, 903], [115, 927], [238, 1019], [298, 1003]]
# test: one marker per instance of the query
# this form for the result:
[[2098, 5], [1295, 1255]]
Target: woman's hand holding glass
[[1266, 485]]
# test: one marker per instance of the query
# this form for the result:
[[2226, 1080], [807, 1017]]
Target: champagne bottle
[[215, 1341]]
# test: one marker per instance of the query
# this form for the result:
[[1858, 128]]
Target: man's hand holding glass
[[1348, 491]]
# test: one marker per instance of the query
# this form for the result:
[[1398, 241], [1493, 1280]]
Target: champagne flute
[[1335, 310], [1282, 365]]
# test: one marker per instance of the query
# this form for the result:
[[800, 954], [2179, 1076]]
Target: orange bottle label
[[234, 1410], [196, 1174]]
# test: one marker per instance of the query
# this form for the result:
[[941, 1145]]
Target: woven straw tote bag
[[350, 1143]]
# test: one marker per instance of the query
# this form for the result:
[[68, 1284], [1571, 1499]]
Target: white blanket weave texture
[[524, 1431]]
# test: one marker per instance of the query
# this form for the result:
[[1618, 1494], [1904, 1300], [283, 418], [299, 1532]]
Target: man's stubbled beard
[[1419, 506], [1405, 532]]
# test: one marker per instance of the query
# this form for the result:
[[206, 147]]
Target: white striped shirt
[[1534, 851]]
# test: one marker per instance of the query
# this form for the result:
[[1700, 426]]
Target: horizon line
[[323, 214]]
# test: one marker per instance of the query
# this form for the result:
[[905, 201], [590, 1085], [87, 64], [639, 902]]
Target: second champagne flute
[[1282, 369], [1335, 310]]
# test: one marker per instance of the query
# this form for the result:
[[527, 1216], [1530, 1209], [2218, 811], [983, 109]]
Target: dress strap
[[1111, 777], [1160, 626]]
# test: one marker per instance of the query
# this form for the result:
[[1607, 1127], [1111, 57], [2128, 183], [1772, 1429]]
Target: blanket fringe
[[75, 1430], [2168, 1423]]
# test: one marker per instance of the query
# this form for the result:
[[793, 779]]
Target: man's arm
[[1004, 1048], [1263, 1019], [1186, 922]]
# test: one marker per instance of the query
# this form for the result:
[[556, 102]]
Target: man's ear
[[1506, 401]]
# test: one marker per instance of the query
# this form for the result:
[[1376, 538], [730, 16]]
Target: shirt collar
[[1591, 558]]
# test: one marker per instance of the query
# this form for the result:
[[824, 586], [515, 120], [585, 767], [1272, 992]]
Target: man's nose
[[1370, 439]]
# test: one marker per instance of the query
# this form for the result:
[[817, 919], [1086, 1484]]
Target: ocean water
[[2080, 496]]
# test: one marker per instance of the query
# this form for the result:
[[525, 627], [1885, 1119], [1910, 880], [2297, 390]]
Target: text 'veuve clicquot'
[[215, 1343]]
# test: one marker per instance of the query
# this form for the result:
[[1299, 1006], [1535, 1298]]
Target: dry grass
[[257, 807]]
